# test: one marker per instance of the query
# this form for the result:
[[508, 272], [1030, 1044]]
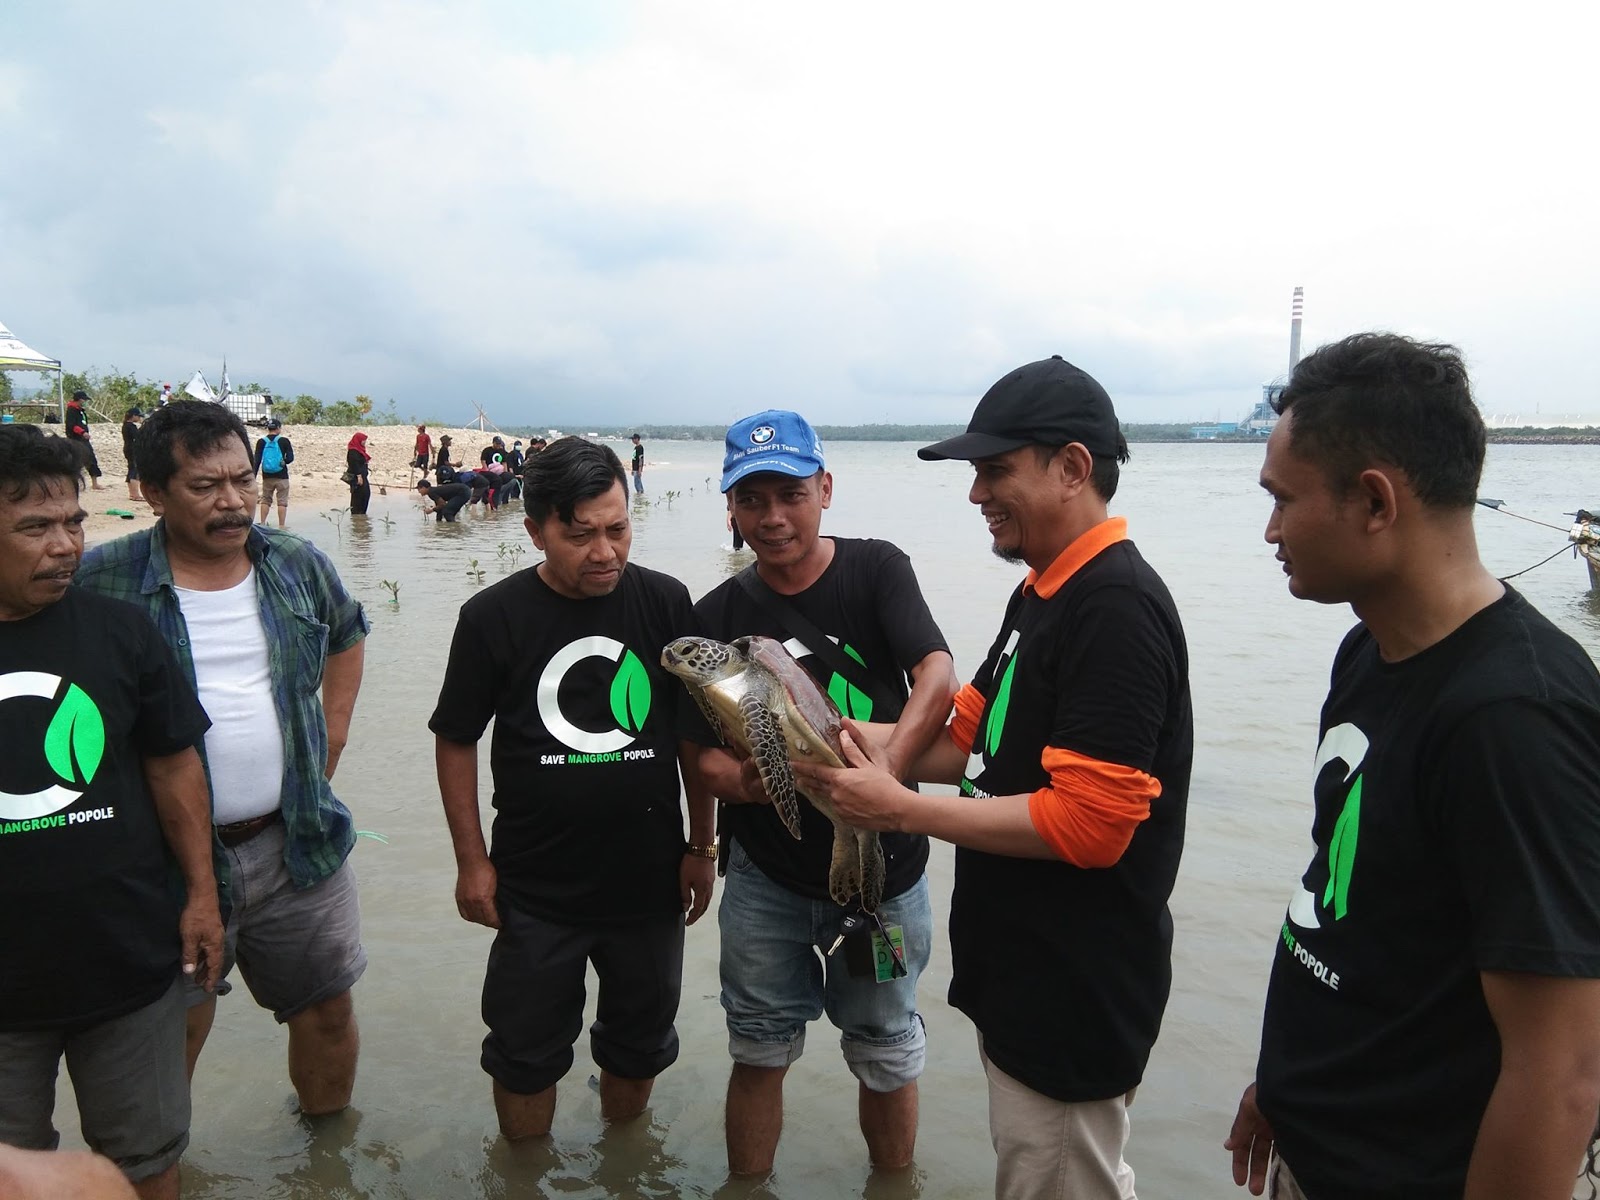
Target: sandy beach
[[319, 460]]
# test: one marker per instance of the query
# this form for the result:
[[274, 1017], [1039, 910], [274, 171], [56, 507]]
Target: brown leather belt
[[243, 831]]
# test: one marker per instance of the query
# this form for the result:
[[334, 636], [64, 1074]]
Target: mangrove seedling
[[336, 515], [474, 570], [393, 588]]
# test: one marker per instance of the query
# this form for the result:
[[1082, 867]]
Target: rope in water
[[1495, 506], [1540, 563]]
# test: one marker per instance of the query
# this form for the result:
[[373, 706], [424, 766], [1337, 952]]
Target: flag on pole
[[199, 388]]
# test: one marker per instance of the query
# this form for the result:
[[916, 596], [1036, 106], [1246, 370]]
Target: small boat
[[1585, 538]]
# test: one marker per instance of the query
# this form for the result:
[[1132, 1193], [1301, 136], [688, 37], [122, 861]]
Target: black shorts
[[533, 998]]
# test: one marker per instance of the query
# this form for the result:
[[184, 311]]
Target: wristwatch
[[701, 851]]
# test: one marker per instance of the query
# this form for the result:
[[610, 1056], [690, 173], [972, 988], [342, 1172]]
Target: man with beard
[[1071, 748], [258, 618]]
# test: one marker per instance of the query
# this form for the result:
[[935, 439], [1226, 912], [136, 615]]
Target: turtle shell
[[811, 712]]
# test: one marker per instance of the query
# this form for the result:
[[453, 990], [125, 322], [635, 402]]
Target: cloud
[[662, 211]]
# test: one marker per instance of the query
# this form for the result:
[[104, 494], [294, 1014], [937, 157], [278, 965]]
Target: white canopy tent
[[16, 356]]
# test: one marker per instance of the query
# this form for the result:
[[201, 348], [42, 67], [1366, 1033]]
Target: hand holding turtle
[[475, 889], [697, 876], [732, 778], [864, 794]]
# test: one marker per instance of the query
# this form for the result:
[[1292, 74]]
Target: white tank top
[[244, 746]]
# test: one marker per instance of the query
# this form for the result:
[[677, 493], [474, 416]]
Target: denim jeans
[[776, 978]]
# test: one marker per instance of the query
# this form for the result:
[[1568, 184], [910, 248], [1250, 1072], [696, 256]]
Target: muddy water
[[423, 1125]]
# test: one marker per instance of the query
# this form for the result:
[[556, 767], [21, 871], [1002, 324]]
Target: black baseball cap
[[1046, 403]]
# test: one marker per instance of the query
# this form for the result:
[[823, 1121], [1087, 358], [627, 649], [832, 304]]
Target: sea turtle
[[761, 701]]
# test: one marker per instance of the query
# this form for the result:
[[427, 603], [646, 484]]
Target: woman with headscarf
[[356, 467]]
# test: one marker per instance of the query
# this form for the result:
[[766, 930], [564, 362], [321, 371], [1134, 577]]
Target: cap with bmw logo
[[777, 441]]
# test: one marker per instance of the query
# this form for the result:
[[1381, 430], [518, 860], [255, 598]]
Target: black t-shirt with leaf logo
[[588, 816], [869, 600], [91, 892], [1065, 970], [1456, 830]]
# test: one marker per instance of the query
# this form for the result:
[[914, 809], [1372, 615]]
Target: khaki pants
[[1281, 1183], [1051, 1150]]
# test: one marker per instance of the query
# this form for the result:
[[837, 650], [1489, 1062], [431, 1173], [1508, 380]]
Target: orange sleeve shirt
[[1091, 809], [1089, 812]]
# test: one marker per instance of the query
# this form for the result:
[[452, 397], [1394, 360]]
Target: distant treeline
[[114, 392], [871, 433]]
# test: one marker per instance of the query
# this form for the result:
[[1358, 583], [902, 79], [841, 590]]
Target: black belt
[[243, 831]]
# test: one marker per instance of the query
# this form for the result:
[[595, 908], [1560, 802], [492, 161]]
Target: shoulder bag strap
[[816, 641]]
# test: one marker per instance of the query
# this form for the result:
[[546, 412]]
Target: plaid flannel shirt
[[307, 615]]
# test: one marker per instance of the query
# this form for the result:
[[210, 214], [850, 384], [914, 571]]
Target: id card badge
[[878, 956], [888, 953]]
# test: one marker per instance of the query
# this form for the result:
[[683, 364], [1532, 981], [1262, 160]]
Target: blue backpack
[[271, 457]]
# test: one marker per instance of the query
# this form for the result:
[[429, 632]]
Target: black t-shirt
[[1457, 830], [130, 435], [588, 825], [90, 891], [1065, 970], [868, 599], [443, 493], [638, 457]]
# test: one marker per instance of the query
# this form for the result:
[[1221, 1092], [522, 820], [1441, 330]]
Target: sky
[[687, 211]]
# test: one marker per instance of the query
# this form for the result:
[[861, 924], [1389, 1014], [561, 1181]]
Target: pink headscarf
[[358, 443]]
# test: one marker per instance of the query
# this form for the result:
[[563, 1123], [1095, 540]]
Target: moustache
[[232, 521]]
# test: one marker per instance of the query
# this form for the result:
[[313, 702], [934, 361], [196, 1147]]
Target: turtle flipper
[[844, 872], [710, 713], [873, 871], [771, 757]]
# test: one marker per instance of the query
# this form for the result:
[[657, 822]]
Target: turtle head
[[700, 660]]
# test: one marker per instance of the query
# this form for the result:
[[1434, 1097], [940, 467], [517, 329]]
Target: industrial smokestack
[[1294, 327]]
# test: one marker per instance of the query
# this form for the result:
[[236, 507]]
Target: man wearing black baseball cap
[[1071, 747], [272, 457]]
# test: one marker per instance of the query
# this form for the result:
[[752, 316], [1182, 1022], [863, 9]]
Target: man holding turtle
[[851, 611], [1071, 748]]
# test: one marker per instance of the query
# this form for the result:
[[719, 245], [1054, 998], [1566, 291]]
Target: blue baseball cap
[[778, 442]]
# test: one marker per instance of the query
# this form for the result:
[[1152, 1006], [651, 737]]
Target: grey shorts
[[274, 487], [128, 1073], [294, 948]]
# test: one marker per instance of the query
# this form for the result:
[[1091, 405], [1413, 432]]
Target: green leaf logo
[[997, 709], [630, 693], [849, 699], [1342, 853], [76, 740]]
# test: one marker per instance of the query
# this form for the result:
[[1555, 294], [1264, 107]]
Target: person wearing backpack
[[273, 456]]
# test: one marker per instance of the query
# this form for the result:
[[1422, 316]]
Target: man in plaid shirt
[[258, 619]]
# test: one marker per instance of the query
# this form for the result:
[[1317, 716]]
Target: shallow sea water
[[422, 1123]]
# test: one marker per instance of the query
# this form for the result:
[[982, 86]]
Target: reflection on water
[[424, 1124]]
